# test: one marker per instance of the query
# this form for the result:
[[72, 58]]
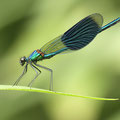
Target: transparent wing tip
[[98, 18]]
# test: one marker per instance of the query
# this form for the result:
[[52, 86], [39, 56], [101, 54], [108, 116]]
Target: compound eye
[[22, 60]]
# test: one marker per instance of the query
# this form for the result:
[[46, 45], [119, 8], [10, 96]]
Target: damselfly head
[[22, 60]]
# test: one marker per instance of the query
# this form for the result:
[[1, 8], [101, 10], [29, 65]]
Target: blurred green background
[[26, 25]]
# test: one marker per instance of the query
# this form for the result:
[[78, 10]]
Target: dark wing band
[[83, 32]]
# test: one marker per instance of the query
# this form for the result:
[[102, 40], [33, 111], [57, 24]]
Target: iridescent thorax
[[36, 55]]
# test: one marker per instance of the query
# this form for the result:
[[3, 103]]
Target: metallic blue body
[[34, 55], [110, 24]]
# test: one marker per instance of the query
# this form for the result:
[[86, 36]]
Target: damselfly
[[77, 37]]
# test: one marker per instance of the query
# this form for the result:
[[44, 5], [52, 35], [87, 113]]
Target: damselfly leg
[[37, 74], [51, 79], [24, 71]]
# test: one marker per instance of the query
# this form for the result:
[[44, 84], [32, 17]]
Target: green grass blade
[[22, 88]]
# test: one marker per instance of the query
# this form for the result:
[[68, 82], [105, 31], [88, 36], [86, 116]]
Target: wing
[[54, 46], [83, 32], [76, 37]]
